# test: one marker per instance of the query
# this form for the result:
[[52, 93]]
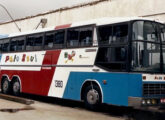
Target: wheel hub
[[5, 85], [92, 96], [16, 87]]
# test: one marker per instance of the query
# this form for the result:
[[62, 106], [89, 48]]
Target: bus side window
[[21, 44], [85, 36], [1, 45], [34, 42], [49, 38], [38, 40], [120, 33], [72, 37], [105, 35], [80, 36], [59, 39], [30, 43], [5, 47], [13, 45]]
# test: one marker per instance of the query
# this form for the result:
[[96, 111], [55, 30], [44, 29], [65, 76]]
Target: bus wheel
[[5, 86], [16, 87], [92, 97]]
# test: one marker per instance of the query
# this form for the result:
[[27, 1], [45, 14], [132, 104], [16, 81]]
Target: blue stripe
[[117, 90]]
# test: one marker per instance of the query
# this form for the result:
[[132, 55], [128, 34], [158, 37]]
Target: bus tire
[[92, 97], [16, 87], [5, 86]]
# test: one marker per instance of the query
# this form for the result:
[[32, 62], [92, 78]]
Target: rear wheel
[[92, 97], [5, 86], [16, 87]]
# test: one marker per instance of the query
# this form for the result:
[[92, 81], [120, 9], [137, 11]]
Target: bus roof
[[97, 22]]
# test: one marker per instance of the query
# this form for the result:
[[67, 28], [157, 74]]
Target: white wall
[[111, 8]]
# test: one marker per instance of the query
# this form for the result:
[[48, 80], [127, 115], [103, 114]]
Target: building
[[92, 10]]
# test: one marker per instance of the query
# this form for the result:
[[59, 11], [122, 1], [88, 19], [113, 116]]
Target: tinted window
[[21, 44], [113, 34], [79, 37], [34, 42], [105, 34], [112, 57], [55, 39], [5, 46], [85, 38], [120, 33], [73, 37], [49, 38], [17, 44], [59, 39], [1, 45], [13, 45]]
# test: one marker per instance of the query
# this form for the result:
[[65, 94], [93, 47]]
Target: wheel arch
[[88, 83]]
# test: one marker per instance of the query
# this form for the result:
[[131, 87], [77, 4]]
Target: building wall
[[106, 8]]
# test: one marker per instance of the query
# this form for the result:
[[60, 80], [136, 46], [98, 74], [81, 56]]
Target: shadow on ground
[[123, 112]]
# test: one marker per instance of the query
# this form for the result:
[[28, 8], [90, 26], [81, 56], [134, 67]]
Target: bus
[[116, 61]]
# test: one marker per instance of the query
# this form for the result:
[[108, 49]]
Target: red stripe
[[62, 26], [37, 82]]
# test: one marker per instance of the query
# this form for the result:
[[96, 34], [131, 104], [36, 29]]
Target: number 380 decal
[[58, 83]]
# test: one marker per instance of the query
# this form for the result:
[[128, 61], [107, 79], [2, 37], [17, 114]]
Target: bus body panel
[[118, 88], [36, 79]]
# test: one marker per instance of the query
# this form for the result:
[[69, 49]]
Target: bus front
[[148, 58]]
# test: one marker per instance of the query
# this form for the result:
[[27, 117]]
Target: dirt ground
[[44, 111]]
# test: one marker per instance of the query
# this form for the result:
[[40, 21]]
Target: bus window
[[105, 35], [145, 47], [144, 30], [21, 44], [38, 40], [85, 36], [34, 42], [29, 43], [113, 34], [113, 58], [1, 45], [13, 45], [120, 33], [59, 39], [5, 47], [73, 37], [80, 36], [49, 38]]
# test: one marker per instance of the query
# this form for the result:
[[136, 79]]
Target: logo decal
[[69, 56]]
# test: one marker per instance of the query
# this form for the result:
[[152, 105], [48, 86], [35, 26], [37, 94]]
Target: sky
[[23, 8]]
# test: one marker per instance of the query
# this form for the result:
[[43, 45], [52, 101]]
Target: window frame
[[111, 45], [78, 27], [152, 42], [33, 47], [112, 25], [17, 43]]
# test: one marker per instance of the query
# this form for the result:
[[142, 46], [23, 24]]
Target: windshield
[[146, 47]]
